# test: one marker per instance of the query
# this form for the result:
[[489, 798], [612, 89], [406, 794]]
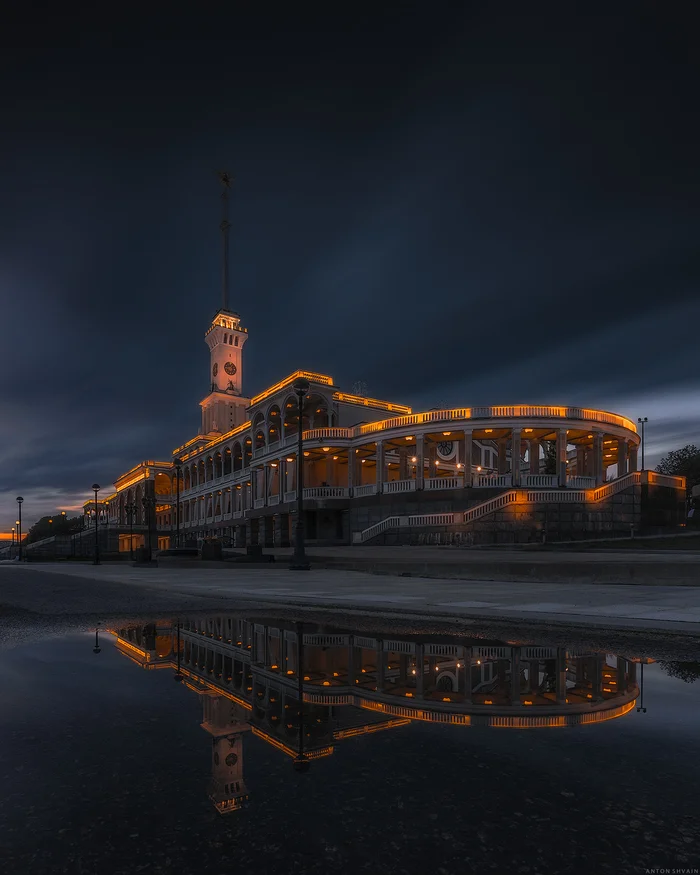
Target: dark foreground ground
[[104, 768]]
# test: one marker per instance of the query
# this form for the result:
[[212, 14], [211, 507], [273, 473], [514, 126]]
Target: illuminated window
[[236, 343]]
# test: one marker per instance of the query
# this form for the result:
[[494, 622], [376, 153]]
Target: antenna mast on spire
[[226, 180]]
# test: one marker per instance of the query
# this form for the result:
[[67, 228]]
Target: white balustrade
[[368, 489], [442, 483], [544, 481], [326, 492], [486, 481], [290, 495], [399, 486], [580, 482], [273, 499], [237, 514], [259, 502]]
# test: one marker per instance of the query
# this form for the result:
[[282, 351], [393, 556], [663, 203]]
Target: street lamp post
[[19, 527], [131, 513], [178, 469], [642, 420], [178, 676], [301, 761], [96, 561], [148, 503], [12, 545], [299, 560]]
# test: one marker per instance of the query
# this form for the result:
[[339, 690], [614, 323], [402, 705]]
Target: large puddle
[[219, 743]]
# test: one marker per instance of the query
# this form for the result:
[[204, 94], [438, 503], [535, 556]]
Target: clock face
[[215, 369], [231, 759], [230, 368], [445, 449]]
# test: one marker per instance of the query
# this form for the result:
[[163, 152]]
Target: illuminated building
[[375, 471]]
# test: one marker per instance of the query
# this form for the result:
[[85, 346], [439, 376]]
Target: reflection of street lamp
[[642, 420], [178, 469], [131, 513], [301, 761], [19, 527], [96, 648], [299, 560], [641, 688], [96, 561], [178, 676]]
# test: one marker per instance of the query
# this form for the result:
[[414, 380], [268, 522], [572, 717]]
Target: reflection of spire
[[226, 723]]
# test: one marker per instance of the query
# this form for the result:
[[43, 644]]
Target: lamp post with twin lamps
[[149, 503], [130, 510], [642, 420], [19, 527], [299, 560], [96, 561], [178, 469]]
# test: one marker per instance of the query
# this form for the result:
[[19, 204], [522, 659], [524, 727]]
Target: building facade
[[377, 472]]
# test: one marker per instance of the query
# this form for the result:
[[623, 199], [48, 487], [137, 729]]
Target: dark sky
[[455, 203]]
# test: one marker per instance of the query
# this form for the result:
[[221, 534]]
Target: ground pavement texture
[[63, 588]]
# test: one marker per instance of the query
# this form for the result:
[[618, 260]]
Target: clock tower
[[224, 407]]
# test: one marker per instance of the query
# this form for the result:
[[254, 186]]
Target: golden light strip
[[371, 402], [323, 379], [275, 742]]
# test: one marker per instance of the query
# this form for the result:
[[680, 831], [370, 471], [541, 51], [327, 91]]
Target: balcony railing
[[368, 489], [486, 481], [399, 486], [259, 502], [290, 495], [580, 482], [544, 481], [326, 492], [443, 483], [273, 499]]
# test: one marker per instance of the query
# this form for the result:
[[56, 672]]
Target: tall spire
[[226, 180]]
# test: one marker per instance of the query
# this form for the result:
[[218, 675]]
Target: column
[[533, 676], [403, 464], [561, 456], [633, 458], [283, 478], [381, 666], [420, 457], [534, 455], [420, 674], [502, 444], [580, 461], [432, 458], [621, 457], [621, 677], [352, 672], [379, 455], [561, 676], [467, 460], [466, 675], [351, 468], [515, 676], [598, 468], [515, 455]]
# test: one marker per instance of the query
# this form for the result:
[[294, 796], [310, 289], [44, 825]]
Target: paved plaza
[[670, 608]]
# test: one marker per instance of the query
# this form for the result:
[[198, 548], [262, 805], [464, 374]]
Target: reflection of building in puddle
[[225, 722], [247, 675]]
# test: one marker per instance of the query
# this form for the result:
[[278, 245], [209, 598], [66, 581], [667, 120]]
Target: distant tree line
[[682, 463], [54, 524]]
